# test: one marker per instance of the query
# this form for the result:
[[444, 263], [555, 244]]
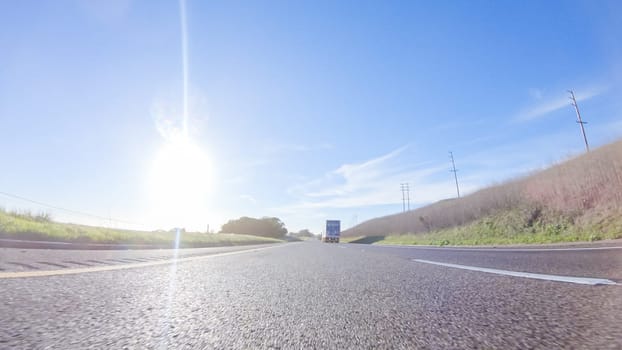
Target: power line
[[455, 171], [10, 195], [579, 120]]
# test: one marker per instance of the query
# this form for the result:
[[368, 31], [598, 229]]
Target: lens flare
[[180, 178], [184, 63]]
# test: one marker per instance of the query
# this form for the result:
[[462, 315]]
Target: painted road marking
[[45, 273], [539, 276], [499, 249]]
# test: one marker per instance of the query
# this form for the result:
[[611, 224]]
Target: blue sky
[[307, 110]]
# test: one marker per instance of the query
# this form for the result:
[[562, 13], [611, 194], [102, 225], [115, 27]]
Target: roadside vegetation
[[303, 235], [266, 227], [576, 200], [350, 239], [28, 226]]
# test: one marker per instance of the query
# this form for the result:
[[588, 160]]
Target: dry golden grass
[[579, 198]]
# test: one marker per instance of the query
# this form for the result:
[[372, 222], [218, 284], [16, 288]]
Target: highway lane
[[313, 295], [604, 262]]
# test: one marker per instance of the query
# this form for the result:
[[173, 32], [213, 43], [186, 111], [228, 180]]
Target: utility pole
[[408, 196], [455, 171], [579, 120], [405, 196]]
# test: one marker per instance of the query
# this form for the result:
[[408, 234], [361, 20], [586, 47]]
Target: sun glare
[[180, 179]]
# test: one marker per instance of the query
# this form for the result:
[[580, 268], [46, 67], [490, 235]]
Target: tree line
[[265, 227]]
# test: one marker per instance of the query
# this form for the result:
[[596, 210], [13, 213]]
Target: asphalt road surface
[[313, 295], [12, 260]]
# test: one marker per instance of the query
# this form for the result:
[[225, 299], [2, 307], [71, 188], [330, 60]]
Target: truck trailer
[[333, 231]]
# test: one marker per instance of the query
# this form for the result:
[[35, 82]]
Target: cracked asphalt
[[321, 296]]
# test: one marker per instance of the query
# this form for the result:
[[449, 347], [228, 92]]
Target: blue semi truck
[[333, 231]]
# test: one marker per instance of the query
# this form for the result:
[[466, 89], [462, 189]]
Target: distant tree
[[303, 233], [265, 227]]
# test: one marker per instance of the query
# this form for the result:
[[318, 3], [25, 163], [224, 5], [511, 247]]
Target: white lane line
[[46, 273], [539, 276], [499, 249]]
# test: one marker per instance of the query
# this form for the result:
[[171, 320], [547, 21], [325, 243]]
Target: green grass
[[515, 227], [349, 239], [40, 227]]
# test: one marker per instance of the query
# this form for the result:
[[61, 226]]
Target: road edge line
[[539, 276], [497, 248], [48, 273]]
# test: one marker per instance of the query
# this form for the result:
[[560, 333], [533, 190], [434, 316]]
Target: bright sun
[[180, 180]]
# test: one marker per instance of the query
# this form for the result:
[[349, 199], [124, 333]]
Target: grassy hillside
[[577, 200], [40, 227]]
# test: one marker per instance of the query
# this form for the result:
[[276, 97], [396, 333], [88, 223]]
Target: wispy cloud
[[372, 182], [278, 148], [248, 198], [547, 106]]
